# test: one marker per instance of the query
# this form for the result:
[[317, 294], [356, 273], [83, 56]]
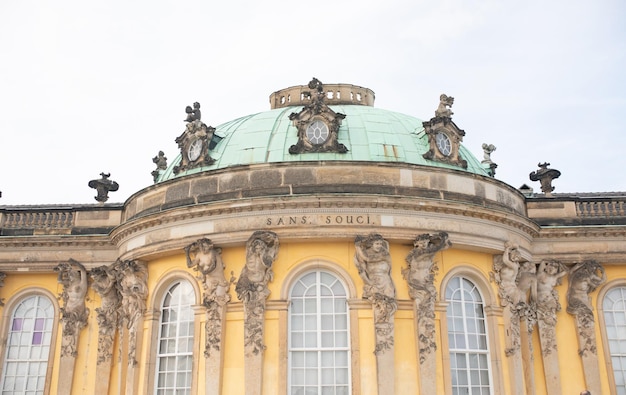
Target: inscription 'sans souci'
[[319, 220]]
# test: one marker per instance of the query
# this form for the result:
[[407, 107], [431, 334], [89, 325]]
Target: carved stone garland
[[373, 263], [261, 251], [318, 125], [420, 276]]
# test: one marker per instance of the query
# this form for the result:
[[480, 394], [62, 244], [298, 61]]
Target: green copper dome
[[369, 134]]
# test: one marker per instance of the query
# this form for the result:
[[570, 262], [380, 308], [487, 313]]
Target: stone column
[[105, 284], [74, 314], [420, 277], [261, 250], [133, 284], [549, 275], [373, 262], [205, 258], [526, 341], [584, 278]]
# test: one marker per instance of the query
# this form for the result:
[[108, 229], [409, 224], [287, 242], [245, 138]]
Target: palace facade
[[324, 246]]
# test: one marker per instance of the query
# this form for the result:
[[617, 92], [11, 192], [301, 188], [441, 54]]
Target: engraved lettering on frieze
[[206, 259], [420, 276], [133, 285], [261, 251], [73, 276], [105, 284], [373, 263], [302, 220], [584, 278]]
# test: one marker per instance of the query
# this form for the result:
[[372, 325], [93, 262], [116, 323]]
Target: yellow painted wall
[[291, 256]]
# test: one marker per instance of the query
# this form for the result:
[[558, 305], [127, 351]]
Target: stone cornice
[[239, 214]]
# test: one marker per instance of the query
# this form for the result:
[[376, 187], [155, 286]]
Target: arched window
[[467, 339], [319, 344], [175, 345], [614, 307], [28, 347]]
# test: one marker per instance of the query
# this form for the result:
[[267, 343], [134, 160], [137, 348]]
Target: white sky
[[87, 86]]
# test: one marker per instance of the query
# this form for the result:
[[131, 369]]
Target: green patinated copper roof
[[370, 134]]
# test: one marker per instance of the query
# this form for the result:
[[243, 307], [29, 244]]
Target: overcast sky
[[87, 87]]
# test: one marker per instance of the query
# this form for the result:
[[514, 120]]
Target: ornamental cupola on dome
[[320, 122]]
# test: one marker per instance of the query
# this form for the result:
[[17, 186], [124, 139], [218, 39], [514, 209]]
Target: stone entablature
[[333, 200], [301, 95]]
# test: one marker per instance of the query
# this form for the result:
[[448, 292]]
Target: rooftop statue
[[161, 162], [545, 177], [443, 110], [193, 114], [103, 186]]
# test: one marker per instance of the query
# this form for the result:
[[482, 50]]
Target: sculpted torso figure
[[261, 250], [527, 282], [548, 276], [134, 290], [419, 273], [584, 278], [207, 259], [104, 283], [374, 265], [73, 276]]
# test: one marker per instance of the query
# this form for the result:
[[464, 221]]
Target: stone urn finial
[[545, 177], [103, 186]]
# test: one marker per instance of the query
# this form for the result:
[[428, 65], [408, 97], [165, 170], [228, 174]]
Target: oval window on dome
[[317, 132], [443, 144]]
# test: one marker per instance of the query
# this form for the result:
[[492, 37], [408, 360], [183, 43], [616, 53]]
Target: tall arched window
[[467, 339], [614, 306], [28, 347], [319, 344], [176, 331]]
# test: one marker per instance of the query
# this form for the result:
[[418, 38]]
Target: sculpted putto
[[445, 101]]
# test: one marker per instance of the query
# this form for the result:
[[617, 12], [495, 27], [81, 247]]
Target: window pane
[[175, 353], [318, 324], [466, 331], [26, 358], [615, 319]]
